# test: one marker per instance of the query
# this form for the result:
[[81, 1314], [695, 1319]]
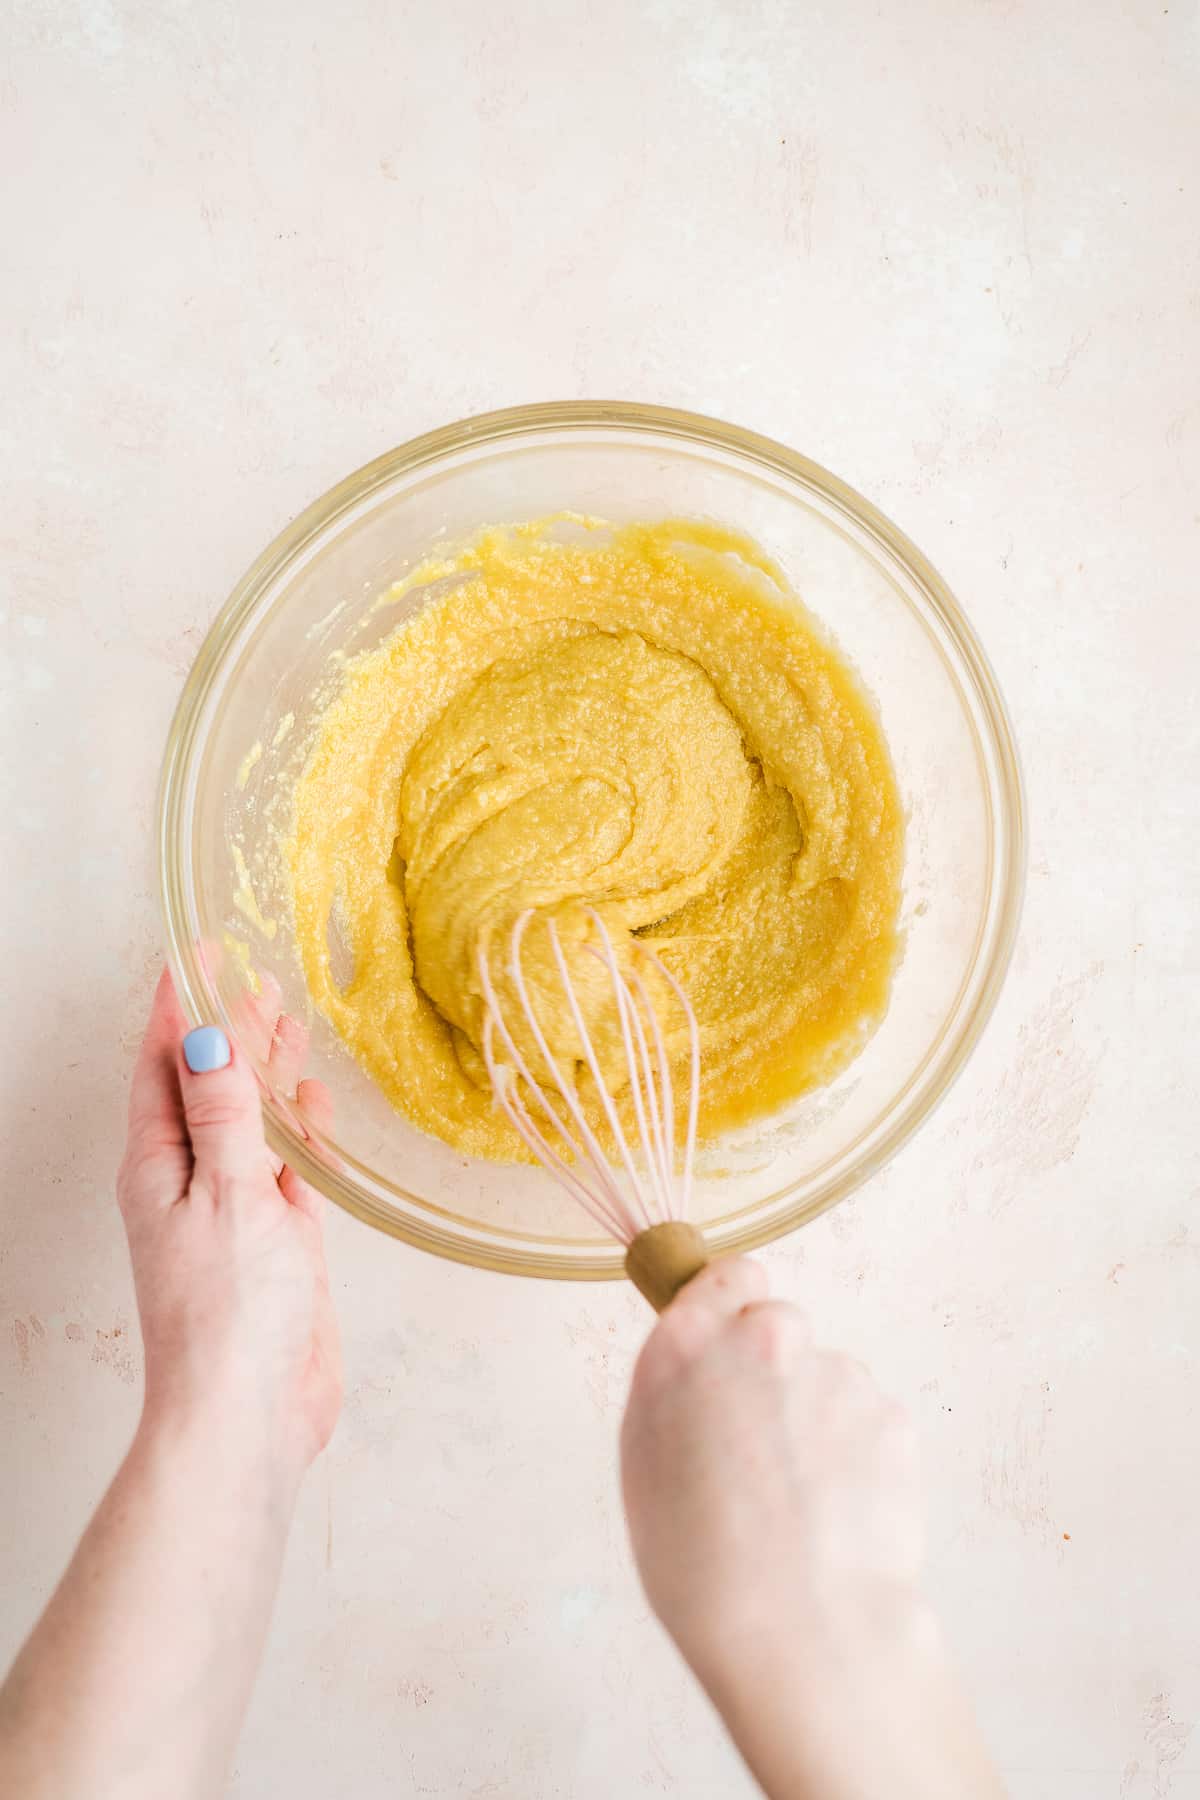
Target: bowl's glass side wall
[[257, 724]]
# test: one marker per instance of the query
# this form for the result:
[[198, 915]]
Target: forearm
[[840, 1719], [135, 1680]]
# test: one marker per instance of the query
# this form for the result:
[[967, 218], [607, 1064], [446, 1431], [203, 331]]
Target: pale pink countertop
[[952, 253]]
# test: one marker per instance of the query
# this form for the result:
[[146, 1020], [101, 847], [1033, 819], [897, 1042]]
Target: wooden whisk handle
[[663, 1258]]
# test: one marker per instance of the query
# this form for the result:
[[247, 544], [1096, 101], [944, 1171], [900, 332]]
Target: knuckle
[[737, 1278], [774, 1332], [232, 1190], [672, 1343], [670, 1351], [135, 1178], [846, 1376], [290, 1032], [214, 1112]]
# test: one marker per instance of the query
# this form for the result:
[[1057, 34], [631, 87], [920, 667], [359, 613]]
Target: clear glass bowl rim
[[1005, 796]]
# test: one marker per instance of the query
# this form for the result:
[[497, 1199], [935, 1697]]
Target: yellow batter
[[637, 719]]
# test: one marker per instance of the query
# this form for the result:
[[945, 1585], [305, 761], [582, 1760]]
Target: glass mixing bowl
[[250, 703]]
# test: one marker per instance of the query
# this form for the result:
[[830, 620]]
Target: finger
[[316, 1103], [154, 1094], [254, 1016], [847, 1377], [721, 1289], [158, 1135], [316, 1109], [773, 1332], [302, 1195], [289, 1047], [221, 1106], [316, 1106], [697, 1315]]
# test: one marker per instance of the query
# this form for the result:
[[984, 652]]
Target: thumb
[[221, 1106]]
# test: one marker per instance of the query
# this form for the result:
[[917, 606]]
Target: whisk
[[639, 1196]]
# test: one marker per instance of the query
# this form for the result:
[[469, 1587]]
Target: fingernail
[[206, 1049]]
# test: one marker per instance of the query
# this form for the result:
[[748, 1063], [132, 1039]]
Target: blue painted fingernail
[[206, 1049]]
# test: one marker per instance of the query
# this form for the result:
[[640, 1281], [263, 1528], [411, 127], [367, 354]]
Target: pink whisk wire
[[651, 1191]]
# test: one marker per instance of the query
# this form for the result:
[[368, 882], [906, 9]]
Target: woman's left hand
[[226, 1244]]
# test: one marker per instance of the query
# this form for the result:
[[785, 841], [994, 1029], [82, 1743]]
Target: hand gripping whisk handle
[[663, 1258]]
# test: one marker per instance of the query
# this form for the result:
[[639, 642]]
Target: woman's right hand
[[774, 1506]]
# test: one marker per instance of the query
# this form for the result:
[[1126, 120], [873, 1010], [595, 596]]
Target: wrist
[[849, 1703], [810, 1637], [220, 1441]]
